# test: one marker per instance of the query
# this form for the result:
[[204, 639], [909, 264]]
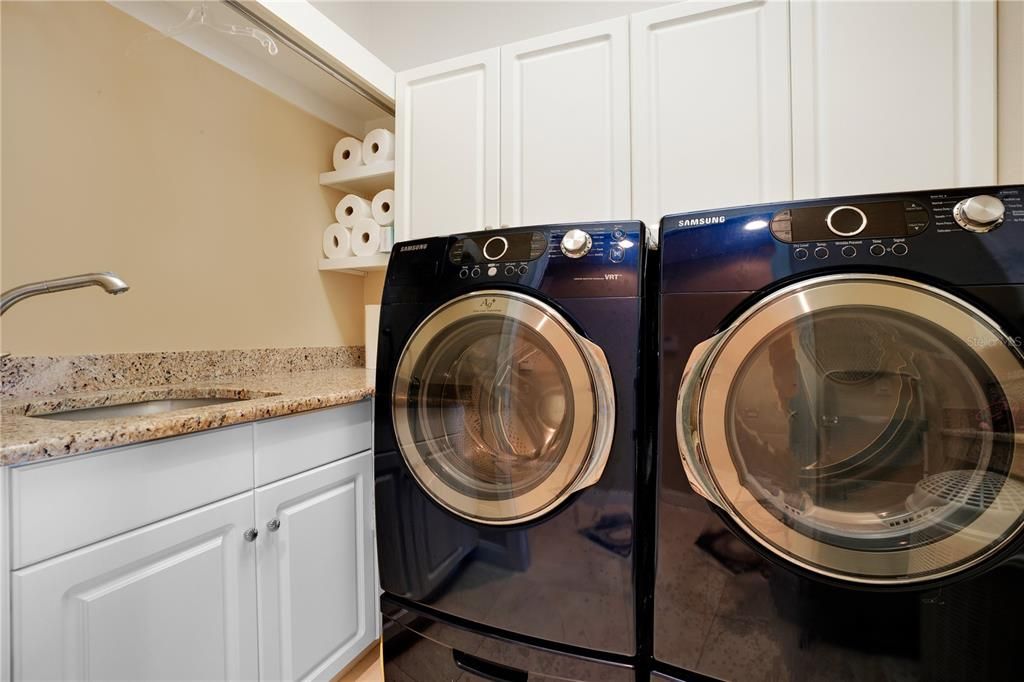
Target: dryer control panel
[[964, 235]]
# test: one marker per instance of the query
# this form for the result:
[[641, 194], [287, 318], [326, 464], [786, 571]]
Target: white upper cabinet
[[891, 96], [448, 141], [565, 126], [711, 107]]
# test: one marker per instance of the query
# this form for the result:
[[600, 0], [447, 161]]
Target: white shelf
[[364, 180], [355, 265]]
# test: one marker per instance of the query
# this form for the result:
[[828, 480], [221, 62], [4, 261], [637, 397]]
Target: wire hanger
[[197, 16]]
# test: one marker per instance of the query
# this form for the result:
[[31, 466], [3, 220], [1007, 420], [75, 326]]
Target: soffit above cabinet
[[288, 74]]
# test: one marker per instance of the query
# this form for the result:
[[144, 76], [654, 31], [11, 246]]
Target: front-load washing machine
[[841, 439], [505, 453]]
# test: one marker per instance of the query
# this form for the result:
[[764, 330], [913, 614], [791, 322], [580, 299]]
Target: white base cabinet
[[317, 587], [274, 583], [172, 601]]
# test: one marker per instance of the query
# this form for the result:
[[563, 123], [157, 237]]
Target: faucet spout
[[110, 283]]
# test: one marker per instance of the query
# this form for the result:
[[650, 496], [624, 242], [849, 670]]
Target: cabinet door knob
[[250, 534], [273, 524]]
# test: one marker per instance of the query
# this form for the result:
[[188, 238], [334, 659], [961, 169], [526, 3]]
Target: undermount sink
[[134, 409]]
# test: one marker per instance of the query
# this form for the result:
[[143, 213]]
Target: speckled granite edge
[[25, 438], [38, 375]]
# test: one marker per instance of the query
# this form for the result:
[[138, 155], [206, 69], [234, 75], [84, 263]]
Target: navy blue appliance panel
[[441, 268], [744, 248], [568, 577], [421, 648], [725, 610]]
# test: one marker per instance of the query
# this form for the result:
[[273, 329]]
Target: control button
[[821, 252], [510, 269], [980, 214], [846, 221], [495, 248], [849, 251], [475, 273], [800, 254], [899, 249], [492, 271], [576, 244], [523, 269], [616, 254], [877, 250], [463, 273], [618, 234]]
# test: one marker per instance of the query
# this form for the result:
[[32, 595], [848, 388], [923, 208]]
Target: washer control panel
[[583, 255], [488, 248], [868, 220]]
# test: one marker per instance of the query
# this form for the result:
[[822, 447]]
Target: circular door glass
[[495, 407], [866, 429]]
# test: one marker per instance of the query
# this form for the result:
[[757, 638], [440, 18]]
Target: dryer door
[[501, 409], [866, 428]]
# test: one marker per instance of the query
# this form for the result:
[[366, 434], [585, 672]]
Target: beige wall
[[196, 186]]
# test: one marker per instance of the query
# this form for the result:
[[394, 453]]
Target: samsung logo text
[[693, 222], [413, 247]]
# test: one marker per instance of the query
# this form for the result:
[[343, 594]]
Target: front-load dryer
[[841, 439], [505, 451]]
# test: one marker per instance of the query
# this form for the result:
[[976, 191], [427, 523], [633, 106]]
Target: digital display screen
[[499, 248], [861, 221]]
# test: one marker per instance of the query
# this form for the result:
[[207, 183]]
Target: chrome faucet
[[110, 282]]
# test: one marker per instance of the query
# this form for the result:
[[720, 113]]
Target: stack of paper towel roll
[[376, 147], [363, 227]]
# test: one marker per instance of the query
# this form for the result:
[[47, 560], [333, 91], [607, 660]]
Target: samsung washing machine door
[[501, 410], [866, 428]]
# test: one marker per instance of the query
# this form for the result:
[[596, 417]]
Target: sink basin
[[134, 409]]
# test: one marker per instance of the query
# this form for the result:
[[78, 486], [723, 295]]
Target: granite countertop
[[24, 438]]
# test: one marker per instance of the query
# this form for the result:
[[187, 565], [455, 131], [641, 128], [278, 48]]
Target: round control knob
[[979, 214], [849, 251], [821, 253], [846, 221], [877, 250], [800, 254], [900, 249], [495, 248], [576, 244]]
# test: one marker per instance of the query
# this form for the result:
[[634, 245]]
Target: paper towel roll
[[351, 208], [387, 238], [383, 207], [337, 241], [365, 237], [348, 153], [379, 145], [371, 321]]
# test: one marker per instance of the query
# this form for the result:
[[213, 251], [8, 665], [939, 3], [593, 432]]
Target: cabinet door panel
[[174, 600], [565, 126], [316, 576], [446, 121], [711, 107], [892, 96]]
